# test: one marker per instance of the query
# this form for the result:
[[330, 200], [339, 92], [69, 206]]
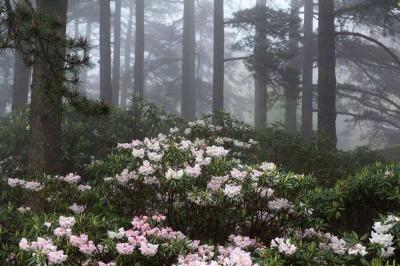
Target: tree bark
[[127, 80], [117, 53], [44, 153], [219, 56], [260, 112], [292, 71], [138, 77], [326, 71], [307, 79], [188, 99], [22, 79], [105, 52]]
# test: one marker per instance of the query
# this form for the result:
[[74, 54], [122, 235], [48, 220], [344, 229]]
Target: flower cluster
[[29, 185]]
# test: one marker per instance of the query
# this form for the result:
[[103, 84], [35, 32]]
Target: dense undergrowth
[[211, 192]]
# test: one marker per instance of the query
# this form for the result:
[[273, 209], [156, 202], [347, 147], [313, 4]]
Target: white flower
[[267, 192], [84, 187], [386, 240], [231, 191], [284, 246], [23, 244], [279, 204], [268, 167], [173, 175], [138, 153], [215, 151], [77, 208], [116, 235], [358, 249], [71, 178], [155, 157], [148, 249]]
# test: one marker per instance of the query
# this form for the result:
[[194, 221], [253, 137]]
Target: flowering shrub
[[188, 197]]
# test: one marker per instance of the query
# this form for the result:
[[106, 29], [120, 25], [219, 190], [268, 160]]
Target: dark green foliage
[[295, 153], [355, 201]]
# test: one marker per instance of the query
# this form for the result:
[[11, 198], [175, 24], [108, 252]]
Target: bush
[[312, 157], [355, 201], [178, 187]]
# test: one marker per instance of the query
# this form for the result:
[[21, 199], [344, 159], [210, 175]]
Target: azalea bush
[[191, 196]]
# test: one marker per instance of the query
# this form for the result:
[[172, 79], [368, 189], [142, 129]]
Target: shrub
[[179, 188]]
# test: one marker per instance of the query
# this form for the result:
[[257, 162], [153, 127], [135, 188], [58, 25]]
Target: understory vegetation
[[209, 192]]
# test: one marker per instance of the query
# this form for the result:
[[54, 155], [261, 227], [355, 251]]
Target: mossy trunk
[[22, 79], [44, 154]]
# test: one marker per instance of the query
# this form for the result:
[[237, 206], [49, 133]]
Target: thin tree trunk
[[260, 112], [138, 77], [22, 79], [292, 89], [307, 80], [44, 154], [188, 99], [219, 56], [117, 53], [127, 81], [326, 69], [105, 52]]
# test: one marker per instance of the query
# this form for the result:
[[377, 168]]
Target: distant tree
[[219, 53], [260, 58], [127, 77], [326, 70], [117, 53], [292, 70], [307, 75], [188, 99], [105, 51], [138, 77]]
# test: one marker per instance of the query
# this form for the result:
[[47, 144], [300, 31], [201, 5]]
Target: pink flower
[[240, 175], [125, 248], [56, 257], [61, 231], [77, 208], [71, 178], [66, 222], [193, 171], [146, 168], [78, 241], [88, 248], [23, 244], [231, 191]]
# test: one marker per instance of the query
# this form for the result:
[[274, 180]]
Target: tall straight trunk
[[326, 70], [188, 99], [260, 75], [105, 52], [127, 80], [138, 70], [84, 77], [292, 89], [22, 79], [117, 53], [219, 53], [44, 153], [307, 79]]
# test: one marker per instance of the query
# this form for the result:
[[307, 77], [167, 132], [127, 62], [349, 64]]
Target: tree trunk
[[260, 105], [44, 154], [105, 52], [219, 54], [188, 99], [138, 77], [127, 81], [22, 79], [326, 69], [292, 89], [307, 80], [117, 53]]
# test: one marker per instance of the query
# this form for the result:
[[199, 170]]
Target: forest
[[200, 132]]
